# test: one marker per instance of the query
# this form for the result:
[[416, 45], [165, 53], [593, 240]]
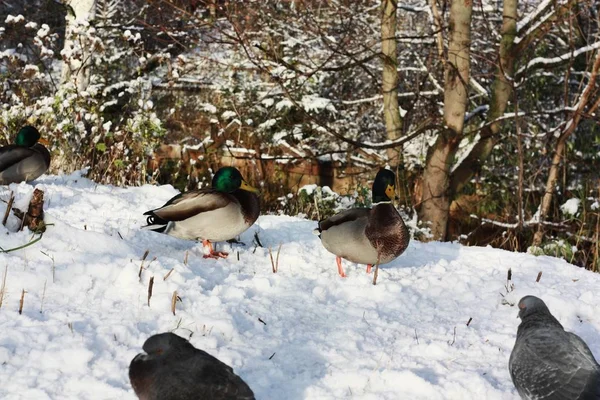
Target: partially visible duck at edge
[[26, 159]]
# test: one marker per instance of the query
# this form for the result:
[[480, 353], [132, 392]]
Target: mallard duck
[[367, 235], [213, 214], [26, 159]]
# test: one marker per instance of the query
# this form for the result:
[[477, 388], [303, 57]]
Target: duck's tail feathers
[[317, 231], [155, 223]]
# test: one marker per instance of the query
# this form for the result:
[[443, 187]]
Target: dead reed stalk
[[174, 301], [3, 288], [21, 301], [376, 273], [8, 207], [168, 274], [150, 285], [142, 264], [43, 297], [275, 264]]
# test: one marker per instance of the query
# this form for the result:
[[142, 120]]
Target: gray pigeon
[[548, 363], [173, 369]]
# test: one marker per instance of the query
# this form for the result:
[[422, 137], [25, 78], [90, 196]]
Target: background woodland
[[487, 110]]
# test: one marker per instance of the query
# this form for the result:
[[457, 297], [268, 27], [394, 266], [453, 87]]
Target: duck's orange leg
[[369, 266], [338, 260], [211, 252]]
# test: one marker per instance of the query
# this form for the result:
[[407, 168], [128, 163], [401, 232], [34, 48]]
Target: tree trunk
[[501, 88], [76, 69], [501, 91], [436, 177], [391, 109], [559, 150]]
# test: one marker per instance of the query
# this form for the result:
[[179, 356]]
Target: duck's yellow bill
[[249, 188], [390, 192], [43, 141]]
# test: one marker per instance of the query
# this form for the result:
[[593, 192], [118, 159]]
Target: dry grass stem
[[8, 208], [21, 301], [539, 276], [142, 264], [277, 258], [174, 301], [185, 258], [469, 321], [168, 274], [150, 285], [272, 261], [275, 263], [3, 288], [43, 297], [376, 273]]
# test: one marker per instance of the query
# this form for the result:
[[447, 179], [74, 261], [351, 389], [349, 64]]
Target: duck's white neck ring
[[382, 202]]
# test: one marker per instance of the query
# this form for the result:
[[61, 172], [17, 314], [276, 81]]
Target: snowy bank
[[300, 333]]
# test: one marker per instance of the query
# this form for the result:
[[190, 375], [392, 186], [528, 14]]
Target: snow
[[571, 206], [316, 103], [300, 333]]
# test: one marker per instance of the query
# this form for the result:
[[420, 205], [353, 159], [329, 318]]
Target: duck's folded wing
[[13, 154], [188, 204], [342, 217]]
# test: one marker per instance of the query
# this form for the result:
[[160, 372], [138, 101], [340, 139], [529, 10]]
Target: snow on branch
[[533, 16], [543, 62]]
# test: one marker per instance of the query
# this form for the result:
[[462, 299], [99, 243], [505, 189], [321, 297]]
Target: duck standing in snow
[[173, 369], [25, 160], [213, 214], [367, 235], [548, 363]]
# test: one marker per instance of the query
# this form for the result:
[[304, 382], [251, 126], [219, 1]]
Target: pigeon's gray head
[[166, 343], [532, 305]]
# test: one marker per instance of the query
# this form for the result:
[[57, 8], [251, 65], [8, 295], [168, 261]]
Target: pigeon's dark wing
[[546, 364], [592, 388], [188, 204], [219, 380], [342, 217], [199, 376]]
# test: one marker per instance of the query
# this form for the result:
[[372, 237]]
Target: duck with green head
[[25, 160], [213, 214], [369, 236]]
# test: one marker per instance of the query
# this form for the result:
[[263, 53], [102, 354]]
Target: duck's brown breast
[[386, 231]]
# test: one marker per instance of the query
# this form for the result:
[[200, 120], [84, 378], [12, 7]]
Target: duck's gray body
[[206, 214], [365, 235], [20, 163]]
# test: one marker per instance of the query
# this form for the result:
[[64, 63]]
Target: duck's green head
[[229, 179], [28, 136], [384, 186]]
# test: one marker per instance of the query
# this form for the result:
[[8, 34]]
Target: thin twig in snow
[[3, 288], [150, 285], [8, 207], [21, 302]]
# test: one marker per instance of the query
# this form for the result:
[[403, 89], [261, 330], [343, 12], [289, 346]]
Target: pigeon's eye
[[522, 306]]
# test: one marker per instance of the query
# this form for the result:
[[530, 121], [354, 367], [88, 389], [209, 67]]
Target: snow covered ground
[[300, 333]]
